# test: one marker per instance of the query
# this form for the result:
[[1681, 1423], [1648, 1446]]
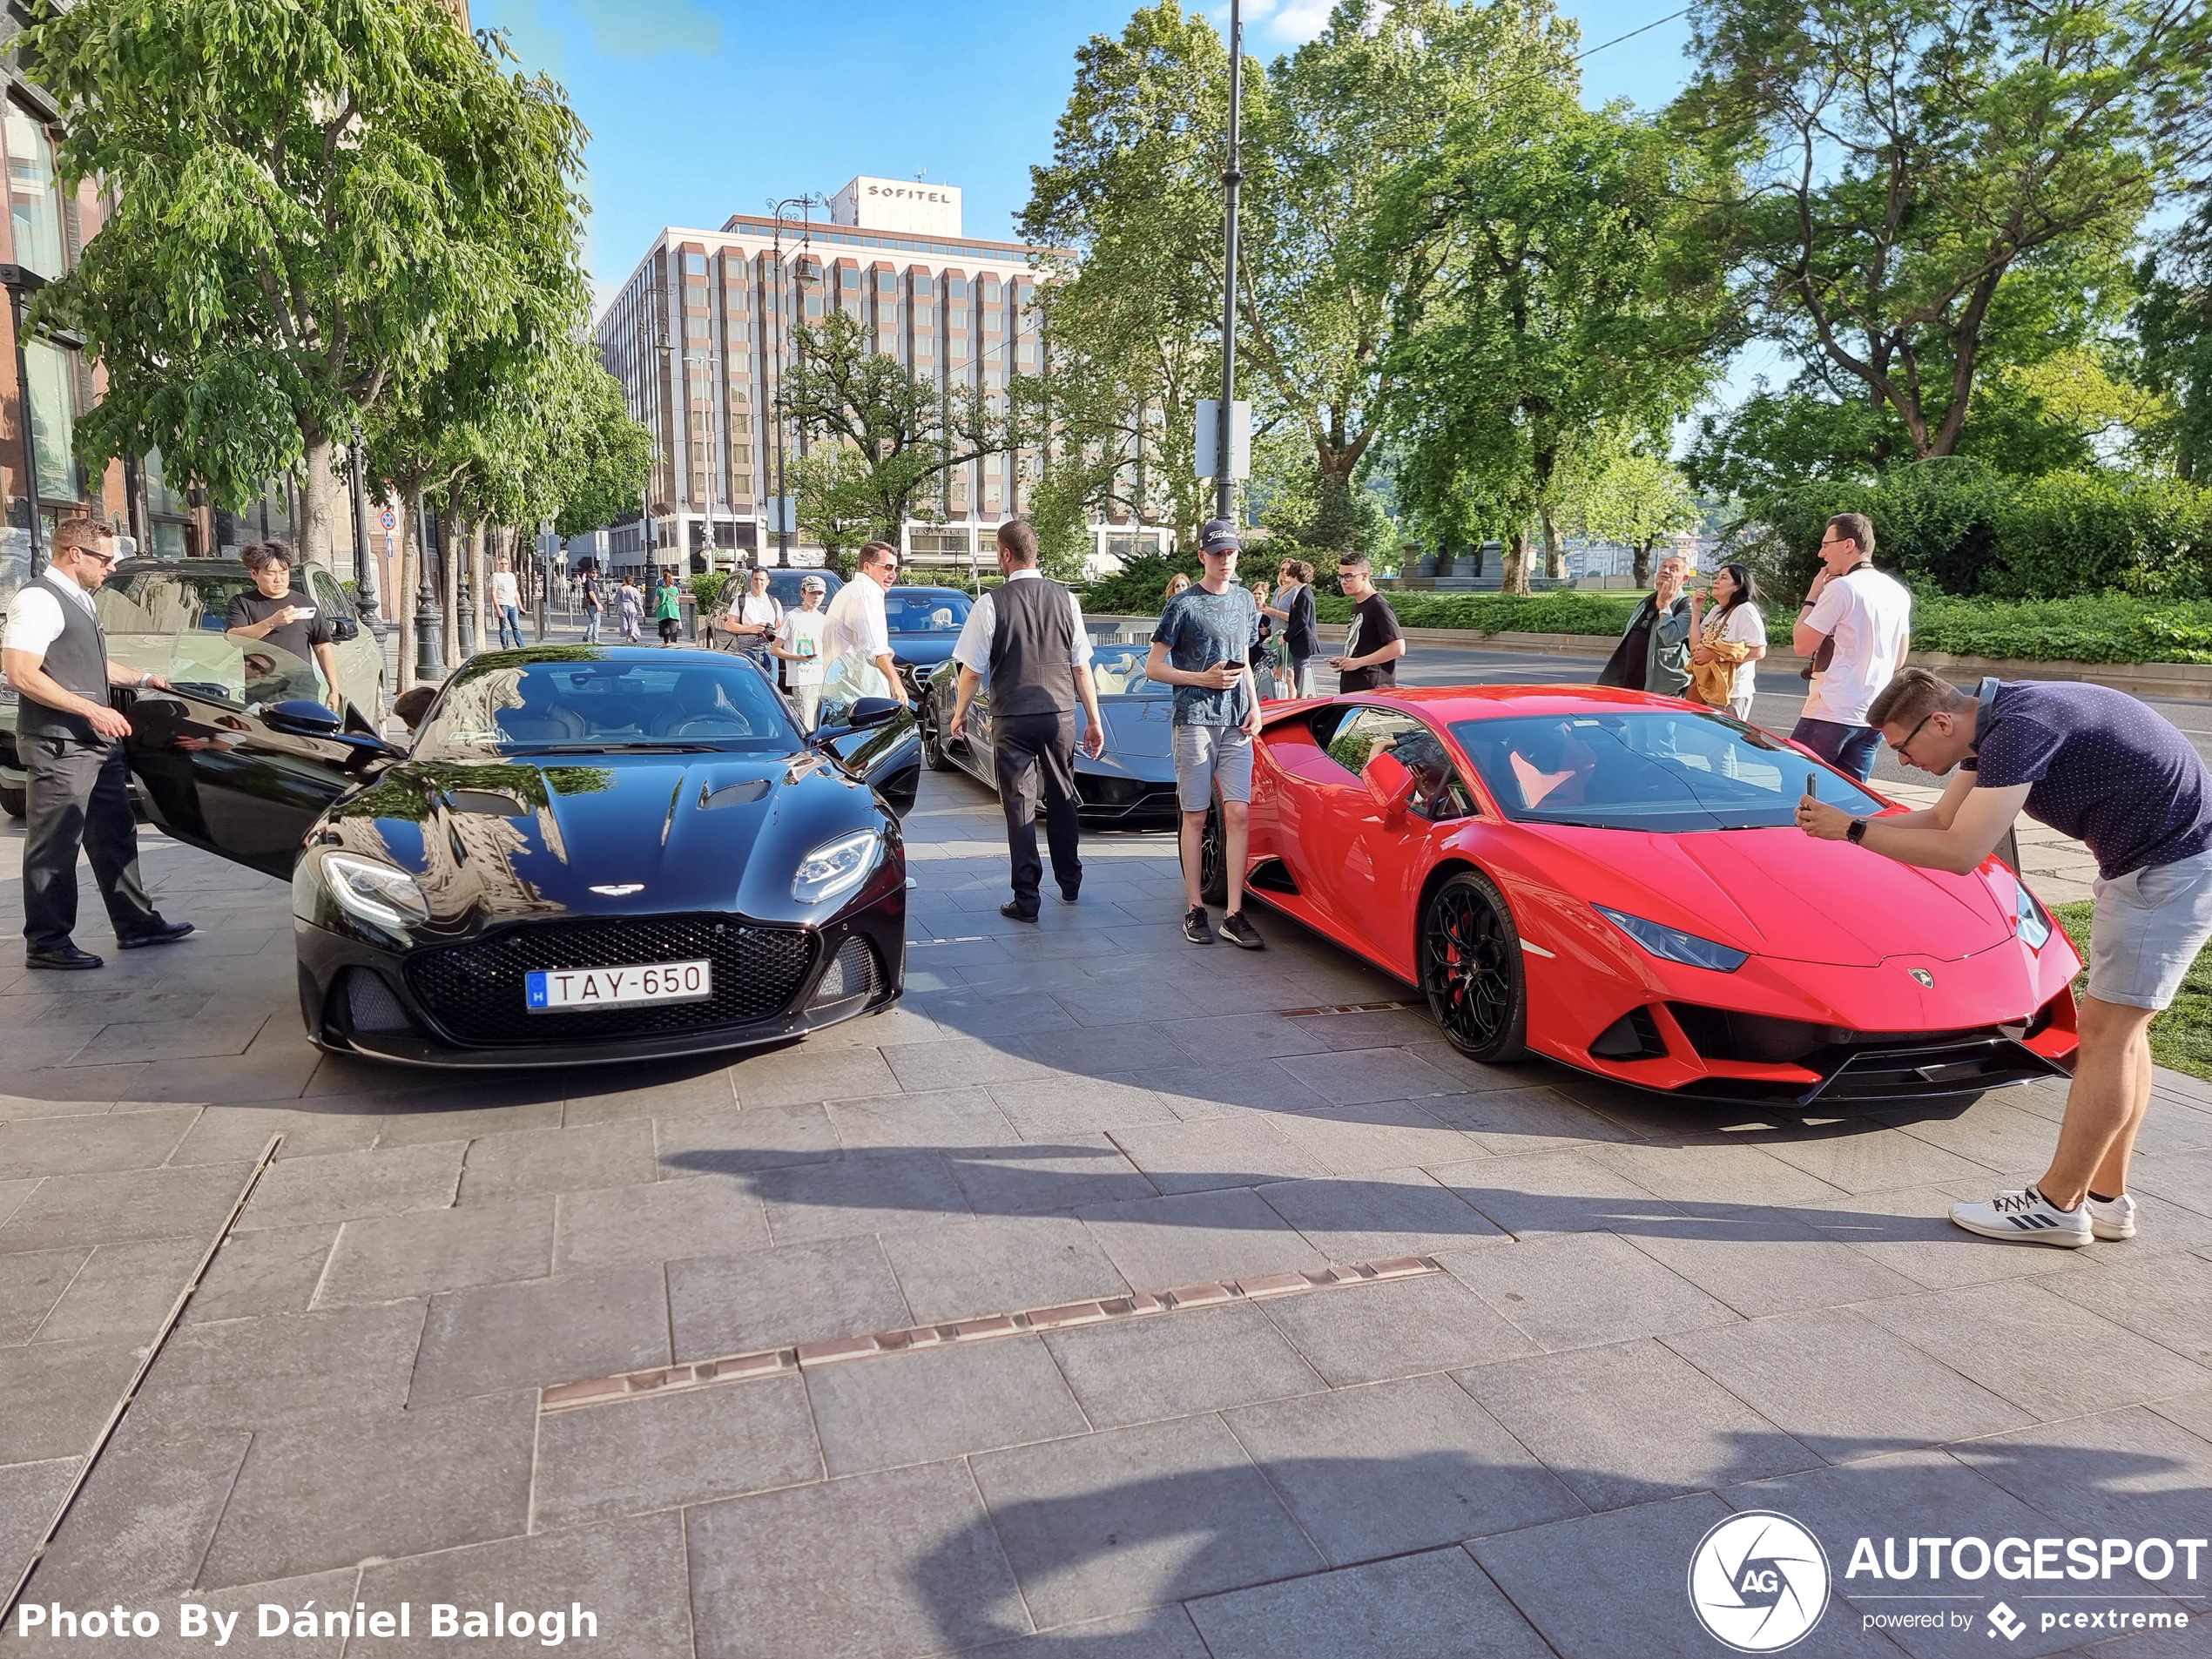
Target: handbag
[[1826, 653]]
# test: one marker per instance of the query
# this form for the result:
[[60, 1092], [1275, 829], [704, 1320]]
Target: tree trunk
[[1515, 575], [1640, 565], [449, 590], [478, 582], [1554, 558], [317, 492]]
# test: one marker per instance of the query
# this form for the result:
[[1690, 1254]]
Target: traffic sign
[[391, 519]]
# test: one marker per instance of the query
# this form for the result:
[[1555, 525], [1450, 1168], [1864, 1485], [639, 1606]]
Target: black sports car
[[924, 624], [1129, 786], [589, 853]]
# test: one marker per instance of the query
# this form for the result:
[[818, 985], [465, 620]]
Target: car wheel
[[1471, 970], [1213, 859], [933, 748], [15, 802]]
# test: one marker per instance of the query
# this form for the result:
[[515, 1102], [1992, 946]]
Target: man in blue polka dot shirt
[[2112, 773]]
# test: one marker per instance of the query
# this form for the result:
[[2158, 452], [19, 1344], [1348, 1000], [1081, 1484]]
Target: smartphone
[[1812, 780]]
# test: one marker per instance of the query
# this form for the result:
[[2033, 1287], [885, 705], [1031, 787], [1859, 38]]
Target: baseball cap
[[1219, 536], [813, 584]]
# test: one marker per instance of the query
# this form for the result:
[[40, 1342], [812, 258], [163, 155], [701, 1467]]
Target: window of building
[[1025, 292], [924, 316], [990, 291], [848, 278], [922, 285], [813, 305], [885, 282], [34, 202], [695, 294], [695, 265], [736, 299], [53, 417], [696, 327], [956, 287]]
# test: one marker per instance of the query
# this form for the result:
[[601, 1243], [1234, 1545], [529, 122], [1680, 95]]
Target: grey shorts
[[2148, 927], [1207, 756]]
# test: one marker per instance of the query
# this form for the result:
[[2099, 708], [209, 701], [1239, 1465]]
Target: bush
[[706, 589], [1548, 613], [1139, 588]]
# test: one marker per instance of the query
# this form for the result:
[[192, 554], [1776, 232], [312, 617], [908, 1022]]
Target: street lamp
[[783, 333], [1231, 176], [364, 561]]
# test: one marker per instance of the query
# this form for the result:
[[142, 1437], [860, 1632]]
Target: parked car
[[1615, 881], [587, 853], [924, 624], [158, 612]]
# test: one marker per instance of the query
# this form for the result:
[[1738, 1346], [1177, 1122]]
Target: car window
[[1369, 731], [163, 600], [1658, 770], [783, 584], [244, 674], [1119, 672], [329, 596], [926, 610], [588, 699]]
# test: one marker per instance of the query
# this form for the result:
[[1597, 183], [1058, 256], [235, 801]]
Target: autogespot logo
[[1759, 1581]]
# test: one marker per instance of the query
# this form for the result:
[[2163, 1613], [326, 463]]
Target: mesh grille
[[851, 973], [370, 1002], [476, 991]]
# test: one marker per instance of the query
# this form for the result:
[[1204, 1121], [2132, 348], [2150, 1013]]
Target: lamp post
[[364, 561], [1232, 177], [783, 333], [429, 620]]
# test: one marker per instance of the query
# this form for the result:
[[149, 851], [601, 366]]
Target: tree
[[2173, 323], [836, 506], [1910, 164], [1633, 499], [316, 205]]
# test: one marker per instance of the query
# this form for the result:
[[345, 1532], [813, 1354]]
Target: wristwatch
[[1856, 833]]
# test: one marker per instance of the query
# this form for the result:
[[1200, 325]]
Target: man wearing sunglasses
[[2111, 772], [70, 737]]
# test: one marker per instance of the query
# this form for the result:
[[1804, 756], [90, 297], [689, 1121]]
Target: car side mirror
[[302, 717], [344, 628], [1390, 782], [869, 712]]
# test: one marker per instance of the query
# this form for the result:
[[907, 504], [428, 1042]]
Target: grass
[[2182, 1036]]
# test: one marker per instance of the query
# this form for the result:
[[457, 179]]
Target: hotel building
[[697, 338]]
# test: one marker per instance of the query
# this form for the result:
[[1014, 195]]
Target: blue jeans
[[591, 626], [1852, 748], [508, 622]]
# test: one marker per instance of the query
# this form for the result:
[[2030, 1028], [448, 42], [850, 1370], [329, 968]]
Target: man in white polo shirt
[[1856, 625]]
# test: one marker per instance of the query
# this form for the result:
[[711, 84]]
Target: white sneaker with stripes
[[2025, 1217], [2114, 1218]]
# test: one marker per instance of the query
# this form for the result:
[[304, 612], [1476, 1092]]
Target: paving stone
[[226, 1134], [1058, 1106], [1994, 1133], [1975, 1332], [340, 1492], [1552, 1192], [1194, 1092], [1380, 1213], [30, 1493], [273, 1271], [500, 1167], [346, 1186], [564, 1328], [12, 1193], [58, 1394], [1138, 1517], [2163, 1298], [1354, 1078], [171, 1040], [425, 1122], [657, 1221], [279, 1370], [918, 1568], [1509, 1121], [635, 1456], [1379, 1028], [1711, 1174], [677, 1091], [90, 1145], [802, 1074], [781, 1296], [1230, 1039], [30, 1283], [123, 1292], [1400, 1328], [142, 1522], [1194, 1236], [739, 1143], [94, 1085], [1012, 1009], [937, 1403], [1203, 1359], [1631, 1422], [941, 1119], [1241, 1151], [1438, 1605], [1854, 1157], [1575, 1290], [1761, 1262], [1397, 1466], [1842, 1385], [630, 1575], [1040, 1178], [1155, 1632], [2193, 1411], [887, 1192], [386, 1257], [2184, 1177], [1000, 1264]]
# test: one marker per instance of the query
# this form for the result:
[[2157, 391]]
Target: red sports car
[[1615, 880]]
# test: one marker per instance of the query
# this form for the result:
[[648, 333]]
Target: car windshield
[[1661, 769], [167, 601], [248, 674], [1119, 672], [782, 586], [924, 610], [586, 700]]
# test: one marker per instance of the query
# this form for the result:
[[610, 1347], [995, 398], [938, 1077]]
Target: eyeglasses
[[1899, 748]]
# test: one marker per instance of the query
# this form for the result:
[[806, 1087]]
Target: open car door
[[237, 758], [874, 738]]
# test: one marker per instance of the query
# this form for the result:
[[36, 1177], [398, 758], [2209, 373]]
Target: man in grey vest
[[55, 655], [1028, 639]]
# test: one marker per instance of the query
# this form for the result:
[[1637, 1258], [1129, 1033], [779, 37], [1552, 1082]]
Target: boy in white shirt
[[799, 645]]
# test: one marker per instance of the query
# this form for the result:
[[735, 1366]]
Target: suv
[[156, 610]]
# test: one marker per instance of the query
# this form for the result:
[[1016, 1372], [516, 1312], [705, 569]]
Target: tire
[[933, 748], [15, 802], [1213, 858], [1472, 970]]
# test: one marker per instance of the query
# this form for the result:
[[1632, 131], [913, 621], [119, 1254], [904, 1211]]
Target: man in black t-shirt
[[287, 620], [1375, 641]]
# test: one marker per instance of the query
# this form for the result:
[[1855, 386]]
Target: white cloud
[[1293, 22]]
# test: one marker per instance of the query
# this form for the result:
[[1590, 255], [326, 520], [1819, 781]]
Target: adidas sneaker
[[2113, 1219], [2025, 1217]]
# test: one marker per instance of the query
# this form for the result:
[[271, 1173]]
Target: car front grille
[[475, 992]]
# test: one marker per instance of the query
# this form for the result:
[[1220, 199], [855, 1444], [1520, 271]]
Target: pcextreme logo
[[1759, 1581]]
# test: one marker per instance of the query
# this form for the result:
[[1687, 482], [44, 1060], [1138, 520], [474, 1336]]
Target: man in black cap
[[55, 655], [1029, 637]]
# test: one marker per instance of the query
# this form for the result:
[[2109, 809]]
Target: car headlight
[[2034, 925], [834, 868], [373, 891], [1672, 945]]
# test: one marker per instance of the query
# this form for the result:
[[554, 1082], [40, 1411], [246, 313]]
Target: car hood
[[1138, 728], [606, 835], [1781, 894], [925, 650]]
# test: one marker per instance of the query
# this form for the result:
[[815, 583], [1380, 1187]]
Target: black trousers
[[79, 796], [1028, 747]]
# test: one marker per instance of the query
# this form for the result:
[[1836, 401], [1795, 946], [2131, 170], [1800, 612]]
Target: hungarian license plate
[[563, 990]]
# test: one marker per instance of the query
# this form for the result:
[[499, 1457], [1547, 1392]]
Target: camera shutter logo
[[1759, 1581]]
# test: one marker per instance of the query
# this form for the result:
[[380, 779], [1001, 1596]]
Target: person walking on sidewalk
[[1294, 609], [1199, 648], [2097, 764], [1374, 642], [629, 609], [798, 644], [507, 604], [860, 629], [1028, 640], [71, 739], [594, 606], [668, 608], [1856, 625], [752, 622]]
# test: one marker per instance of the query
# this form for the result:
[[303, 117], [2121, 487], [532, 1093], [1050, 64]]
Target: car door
[[887, 758], [360, 661], [233, 774], [1386, 849]]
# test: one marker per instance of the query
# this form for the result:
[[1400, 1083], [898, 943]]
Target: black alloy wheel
[[1471, 972], [1213, 858], [933, 747]]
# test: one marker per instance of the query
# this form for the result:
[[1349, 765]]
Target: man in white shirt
[[1856, 626], [860, 634], [69, 739], [798, 643], [507, 600], [752, 621]]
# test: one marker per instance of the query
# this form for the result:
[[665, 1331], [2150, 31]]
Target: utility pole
[[787, 297], [1232, 177]]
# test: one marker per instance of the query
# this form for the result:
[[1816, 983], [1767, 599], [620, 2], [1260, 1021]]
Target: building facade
[[697, 337]]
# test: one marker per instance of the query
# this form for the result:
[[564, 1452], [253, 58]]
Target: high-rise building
[[698, 337]]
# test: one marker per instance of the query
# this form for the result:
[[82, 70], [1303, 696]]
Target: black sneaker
[[1238, 931], [1197, 927]]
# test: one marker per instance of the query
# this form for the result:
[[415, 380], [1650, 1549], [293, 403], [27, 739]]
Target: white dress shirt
[[34, 615], [856, 621], [974, 650]]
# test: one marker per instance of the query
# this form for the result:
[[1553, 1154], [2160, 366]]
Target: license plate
[[564, 989]]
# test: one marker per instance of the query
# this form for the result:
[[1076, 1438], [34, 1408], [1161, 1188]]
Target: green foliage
[[1556, 612], [2181, 1036], [1634, 499], [837, 504], [1140, 587], [2174, 323], [707, 588]]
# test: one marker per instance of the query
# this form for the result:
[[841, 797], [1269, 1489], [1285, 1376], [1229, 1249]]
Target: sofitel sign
[[907, 206]]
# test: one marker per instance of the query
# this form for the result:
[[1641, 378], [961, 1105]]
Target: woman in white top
[[1734, 620]]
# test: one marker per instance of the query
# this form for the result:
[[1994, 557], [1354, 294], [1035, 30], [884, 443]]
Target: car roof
[[137, 565], [1450, 703], [917, 587]]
